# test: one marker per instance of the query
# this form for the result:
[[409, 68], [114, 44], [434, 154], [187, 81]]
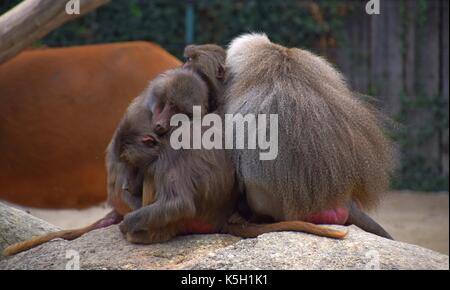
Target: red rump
[[336, 216]]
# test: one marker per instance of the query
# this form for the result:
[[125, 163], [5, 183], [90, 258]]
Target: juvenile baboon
[[334, 157], [190, 187]]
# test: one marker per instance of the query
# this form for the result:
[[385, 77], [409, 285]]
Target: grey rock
[[106, 249], [11, 232], [288, 250]]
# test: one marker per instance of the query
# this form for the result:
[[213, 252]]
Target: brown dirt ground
[[412, 217], [417, 218]]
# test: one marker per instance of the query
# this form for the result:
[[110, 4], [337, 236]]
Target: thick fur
[[123, 158], [174, 82], [332, 148]]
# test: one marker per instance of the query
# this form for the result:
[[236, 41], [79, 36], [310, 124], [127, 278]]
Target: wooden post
[[31, 20], [189, 22], [386, 56]]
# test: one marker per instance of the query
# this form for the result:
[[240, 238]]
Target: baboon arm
[[250, 230], [159, 214], [132, 202], [111, 218]]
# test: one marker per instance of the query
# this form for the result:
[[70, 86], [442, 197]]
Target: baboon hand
[[133, 223]]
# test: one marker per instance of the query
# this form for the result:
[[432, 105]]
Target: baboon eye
[[188, 59]]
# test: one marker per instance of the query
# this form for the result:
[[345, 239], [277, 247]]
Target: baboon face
[[138, 144], [175, 92]]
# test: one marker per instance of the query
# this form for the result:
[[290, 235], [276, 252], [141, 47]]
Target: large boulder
[[106, 249]]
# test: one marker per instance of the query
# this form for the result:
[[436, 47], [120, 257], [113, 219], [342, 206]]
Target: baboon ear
[[220, 74]]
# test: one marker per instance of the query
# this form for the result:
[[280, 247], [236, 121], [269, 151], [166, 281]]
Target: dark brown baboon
[[184, 197], [208, 61], [333, 156]]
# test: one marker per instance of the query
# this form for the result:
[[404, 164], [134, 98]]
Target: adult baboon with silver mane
[[333, 156]]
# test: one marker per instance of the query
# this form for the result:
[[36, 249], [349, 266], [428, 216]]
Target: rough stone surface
[[106, 249], [11, 232], [288, 250]]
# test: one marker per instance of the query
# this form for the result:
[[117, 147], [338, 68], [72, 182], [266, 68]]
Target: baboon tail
[[111, 218], [250, 230], [360, 219]]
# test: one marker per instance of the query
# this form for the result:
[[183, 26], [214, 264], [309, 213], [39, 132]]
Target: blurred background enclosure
[[399, 56]]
